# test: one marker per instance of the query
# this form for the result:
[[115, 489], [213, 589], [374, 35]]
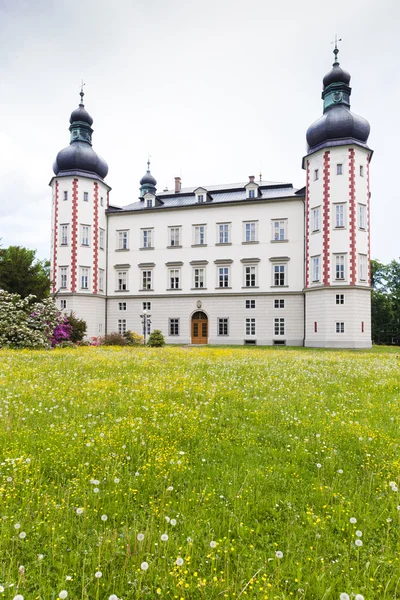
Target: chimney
[[177, 185], [251, 178]]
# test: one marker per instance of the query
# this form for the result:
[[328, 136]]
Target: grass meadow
[[199, 473]]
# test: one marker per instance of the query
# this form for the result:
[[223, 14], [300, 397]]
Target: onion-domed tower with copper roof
[[337, 221], [79, 225]]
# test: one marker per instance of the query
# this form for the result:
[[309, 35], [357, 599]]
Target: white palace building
[[247, 263]]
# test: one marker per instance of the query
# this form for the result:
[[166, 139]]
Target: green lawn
[[186, 473]]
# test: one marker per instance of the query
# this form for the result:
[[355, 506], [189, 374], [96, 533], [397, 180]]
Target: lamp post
[[145, 322]]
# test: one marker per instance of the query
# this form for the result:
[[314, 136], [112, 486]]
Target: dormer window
[[201, 195], [149, 203], [251, 188], [252, 193]]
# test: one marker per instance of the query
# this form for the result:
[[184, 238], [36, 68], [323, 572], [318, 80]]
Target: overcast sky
[[214, 90]]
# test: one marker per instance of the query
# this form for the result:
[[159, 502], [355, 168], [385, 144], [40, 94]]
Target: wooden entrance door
[[199, 328]]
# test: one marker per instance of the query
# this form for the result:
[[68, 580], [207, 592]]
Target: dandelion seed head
[[104, 517], [358, 533], [344, 596], [116, 480], [79, 511], [21, 569], [140, 537], [319, 465], [40, 556], [170, 488], [22, 535], [359, 597], [179, 561], [96, 490], [358, 543], [98, 574], [353, 520], [279, 554], [213, 544], [189, 540], [63, 594], [113, 597], [173, 522], [164, 537], [144, 566], [17, 525], [18, 597]]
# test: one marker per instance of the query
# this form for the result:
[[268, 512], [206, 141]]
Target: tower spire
[[336, 49], [82, 93]]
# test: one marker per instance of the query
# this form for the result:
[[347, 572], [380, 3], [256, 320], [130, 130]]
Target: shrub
[[114, 339], [156, 339], [133, 339], [27, 323], [78, 327]]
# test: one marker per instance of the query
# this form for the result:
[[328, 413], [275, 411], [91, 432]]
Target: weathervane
[[336, 50], [148, 162], [82, 93]]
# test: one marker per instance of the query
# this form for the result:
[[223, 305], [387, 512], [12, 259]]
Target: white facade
[[252, 263]]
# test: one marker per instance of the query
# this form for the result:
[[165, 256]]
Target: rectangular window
[[173, 326], [339, 298], [174, 236], [279, 275], [278, 230], [279, 303], [339, 215], [223, 277], [316, 175], [146, 280], [361, 171], [252, 193], [362, 216], [199, 235], [85, 197], [64, 235], [123, 238], [250, 231], [250, 326], [121, 305], [63, 304], [279, 326], [63, 277], [200, 197], [199, 277], [122, 326], [101, 201], [250, 276], [101, 280], [339, 266], [222, 327], [362, 266], [339, 169], [174, 279], [84, 278], [315, 327], [146, 305], [223, 233], [147, 238], [65, 195], [85, 229], [122, 281], [340, 327], [316, 268], [316, 223], [101, 238], [362, 326], [250, 304], [149, 203]]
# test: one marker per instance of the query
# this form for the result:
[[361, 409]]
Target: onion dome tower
[[79, 225], [79, 157], [337, 221], [148, 183]]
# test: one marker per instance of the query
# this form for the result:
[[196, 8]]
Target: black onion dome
[[80, 157], [336, 75], [338, 124], [148, 179], [81, 114]]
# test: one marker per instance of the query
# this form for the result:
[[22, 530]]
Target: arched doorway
[[199, 328]]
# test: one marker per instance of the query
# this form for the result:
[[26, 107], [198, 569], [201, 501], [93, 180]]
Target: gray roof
[[221, 193]]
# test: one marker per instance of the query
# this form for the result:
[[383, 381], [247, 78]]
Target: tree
[[385, 301], [22, 273], [78, 327]]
